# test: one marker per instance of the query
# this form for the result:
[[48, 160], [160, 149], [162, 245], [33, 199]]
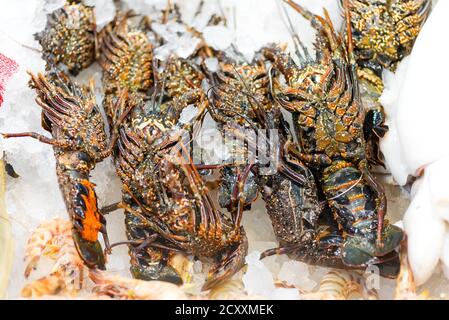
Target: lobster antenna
[[20, 43], [349, 31], [199, 9], [350, 48], [166, 12], [425, 9], [222, 13], [155, 81], [300, 9], [288, 24], [295, 37]]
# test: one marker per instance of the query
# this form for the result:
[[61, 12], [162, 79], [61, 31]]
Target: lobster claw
[[90, 252]]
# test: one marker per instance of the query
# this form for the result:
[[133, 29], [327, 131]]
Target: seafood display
[[225, 168]]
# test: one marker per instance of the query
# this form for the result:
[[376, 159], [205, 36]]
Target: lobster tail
[[355, 205], [69, 37], [125, 55]]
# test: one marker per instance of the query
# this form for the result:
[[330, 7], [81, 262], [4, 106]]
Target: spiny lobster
[[73, 118], [242, 104], [324, 98], [166, 202]]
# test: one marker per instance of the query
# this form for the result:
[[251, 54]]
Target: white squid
[[418, 143]]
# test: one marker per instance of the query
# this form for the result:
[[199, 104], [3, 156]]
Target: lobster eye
[[230, 74]]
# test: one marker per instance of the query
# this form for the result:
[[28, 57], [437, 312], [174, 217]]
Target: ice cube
[[218, 37], [296, 273], [104, 11], [188, 113], [211, 64], [258, 280]]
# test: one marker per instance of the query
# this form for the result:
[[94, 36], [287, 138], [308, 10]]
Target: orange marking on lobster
[[91, 222], [345, 185], [357, 196]]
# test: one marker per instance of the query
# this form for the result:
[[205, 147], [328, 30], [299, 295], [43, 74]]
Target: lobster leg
[[381, 205], [110, 208], [120, 103], [319, 250], [315, 160], [278, 251], [239, 195], [229, 191], [292, 175], [374, 129], [107, 243], [232, 259], [282, 61], [209, 166]]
